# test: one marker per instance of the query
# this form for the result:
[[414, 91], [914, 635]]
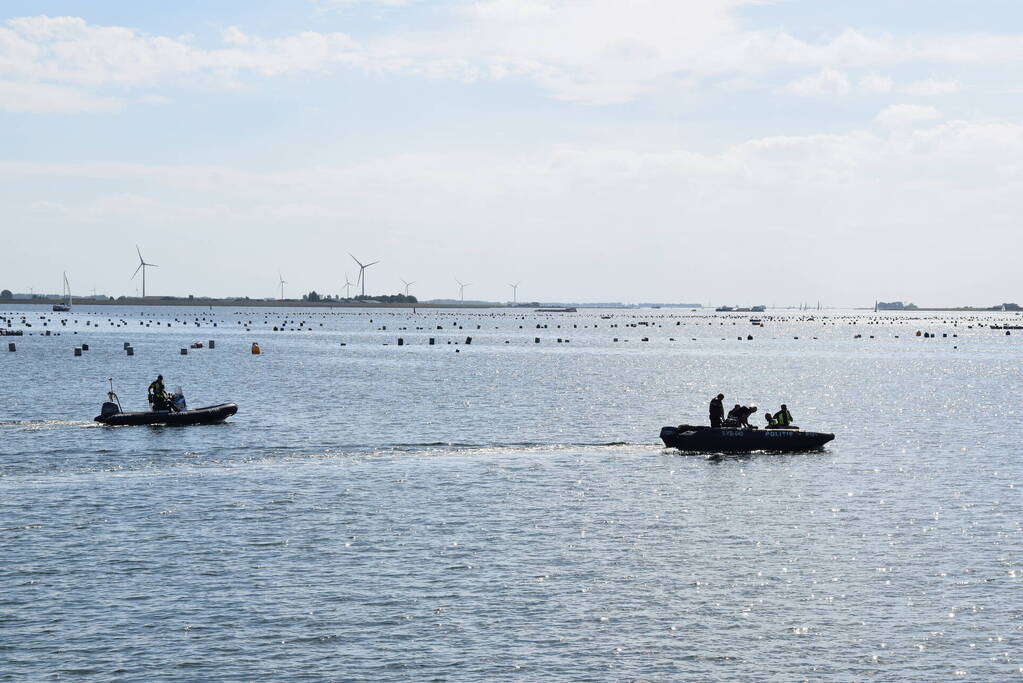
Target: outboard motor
[[112, 406], [177, 399]]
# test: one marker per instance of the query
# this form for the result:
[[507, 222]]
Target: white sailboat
[[66, 306]]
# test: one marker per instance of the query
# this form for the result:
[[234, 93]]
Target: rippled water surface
[[503, 509]]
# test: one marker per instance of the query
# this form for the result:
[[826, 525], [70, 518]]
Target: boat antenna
[[111, 396]]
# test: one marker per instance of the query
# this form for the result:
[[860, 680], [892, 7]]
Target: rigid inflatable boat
[[111, 414], [701, 439]]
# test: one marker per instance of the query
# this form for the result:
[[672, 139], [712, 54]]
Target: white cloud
[[42, 97], [827, 82], [832, 197], [932, 87], [906, 114], [875, 84], [589, 51]]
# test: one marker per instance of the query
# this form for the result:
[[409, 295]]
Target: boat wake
[[34, 425]]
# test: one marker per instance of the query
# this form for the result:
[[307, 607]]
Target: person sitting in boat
[[734, 417], [158, 394], [771, 422], [177, 401], [783, 416]]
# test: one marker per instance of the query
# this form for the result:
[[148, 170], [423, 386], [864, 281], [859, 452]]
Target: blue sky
[[717, 151]]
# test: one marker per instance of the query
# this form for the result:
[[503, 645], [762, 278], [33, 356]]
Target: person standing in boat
[[783, 417], [158, 393], [717, 410]]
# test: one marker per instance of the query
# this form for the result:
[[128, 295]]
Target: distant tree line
[[315, 296]]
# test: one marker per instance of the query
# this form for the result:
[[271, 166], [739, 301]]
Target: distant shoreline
[[957, 309], [242, 303]]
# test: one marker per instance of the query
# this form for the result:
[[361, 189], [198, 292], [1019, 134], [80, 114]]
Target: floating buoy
[[78, 351], [11, 347], [130, 351], [255, 349]]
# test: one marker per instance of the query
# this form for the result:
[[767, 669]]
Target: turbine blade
[[136, 271], [371, 264], [139, 252], [356, 260]]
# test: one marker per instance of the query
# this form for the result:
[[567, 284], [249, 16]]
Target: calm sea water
[[503, 510]]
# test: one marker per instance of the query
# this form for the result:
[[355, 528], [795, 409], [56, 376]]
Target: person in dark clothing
[[717, 410], [744, 417], [158, 394], [735, 413]]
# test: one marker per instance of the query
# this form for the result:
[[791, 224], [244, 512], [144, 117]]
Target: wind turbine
[[142, 266], [515, 291], [362, 272], [282, 283], [407, 285], [461, 288], [348, 287]]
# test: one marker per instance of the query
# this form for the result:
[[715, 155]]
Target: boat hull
[[701, 439], [199, 416]]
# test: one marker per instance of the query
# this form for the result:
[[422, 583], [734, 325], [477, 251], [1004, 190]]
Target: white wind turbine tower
[[515, 291], [407, 285], [142, 266], [282, 283], [348, 287], [362, 272], [461, 288]]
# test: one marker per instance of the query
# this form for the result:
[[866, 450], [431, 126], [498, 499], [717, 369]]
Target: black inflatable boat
[[701, 439], [111, 415]]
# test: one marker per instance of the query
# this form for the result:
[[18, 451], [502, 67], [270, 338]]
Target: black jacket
[[716, 409]]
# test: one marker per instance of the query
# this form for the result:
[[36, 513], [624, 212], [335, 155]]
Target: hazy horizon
[[728, 151]]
